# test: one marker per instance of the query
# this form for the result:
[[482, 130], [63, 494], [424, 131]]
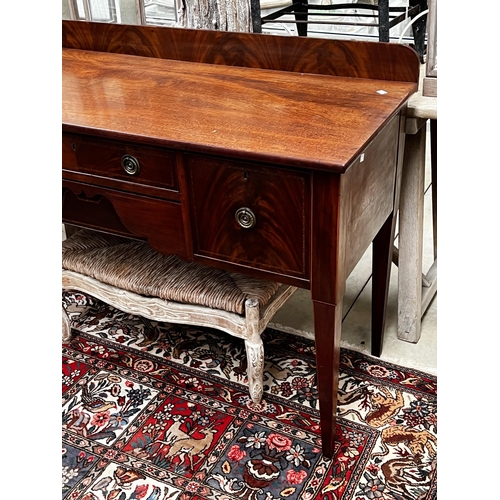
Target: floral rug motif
[[156, 411]]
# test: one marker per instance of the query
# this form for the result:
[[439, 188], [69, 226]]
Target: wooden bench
[[129, 275], [416, 288]]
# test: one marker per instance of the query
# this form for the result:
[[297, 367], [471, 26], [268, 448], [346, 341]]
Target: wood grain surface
[[356, 59], [219, 188], [85, 158], [301, 120], [157, 221]]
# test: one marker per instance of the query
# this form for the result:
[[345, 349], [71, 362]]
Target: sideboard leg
[[382, 260], [327, 329], [433, 145]]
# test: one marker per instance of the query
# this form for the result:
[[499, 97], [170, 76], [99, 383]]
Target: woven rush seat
[[131, 276]]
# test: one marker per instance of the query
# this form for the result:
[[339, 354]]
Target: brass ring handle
[[245, 218], [130, 164]]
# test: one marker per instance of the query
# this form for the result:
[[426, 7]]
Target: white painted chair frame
[[248, 327]]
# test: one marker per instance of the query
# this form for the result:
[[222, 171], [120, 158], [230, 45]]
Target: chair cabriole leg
[[66, 327], [255, 351]]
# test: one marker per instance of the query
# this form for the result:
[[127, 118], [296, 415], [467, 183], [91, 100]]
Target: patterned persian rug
[[156, 411]]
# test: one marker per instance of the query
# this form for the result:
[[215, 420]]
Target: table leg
[[381, 271], [301, 14], [410, 243], [329, 230], [383, 16], [327, 329], [434, 182], [419, 28]]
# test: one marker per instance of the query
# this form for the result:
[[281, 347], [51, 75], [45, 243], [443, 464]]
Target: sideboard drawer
[[158, 221], [250, 215], [126, 165]]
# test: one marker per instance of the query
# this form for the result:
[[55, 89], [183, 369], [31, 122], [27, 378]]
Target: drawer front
[[157, 221], [123, 164], [250, 215]]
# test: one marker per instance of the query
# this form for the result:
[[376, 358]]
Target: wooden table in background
[[279, 157], [415, 288]]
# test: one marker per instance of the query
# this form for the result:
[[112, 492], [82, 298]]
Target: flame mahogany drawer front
[[250, 215], [157, 221], [121, 165]]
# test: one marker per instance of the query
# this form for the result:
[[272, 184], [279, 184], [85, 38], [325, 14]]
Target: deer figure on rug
[[174, 433], [398, 476], [184, 445], [417, 441], [385, 406], [188, 446]]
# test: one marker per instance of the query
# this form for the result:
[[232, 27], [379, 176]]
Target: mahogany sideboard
[[274, 156]]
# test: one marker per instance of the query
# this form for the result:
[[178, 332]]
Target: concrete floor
[[296, 317]]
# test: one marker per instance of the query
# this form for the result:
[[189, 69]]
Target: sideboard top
[[314, 121], [287, 117]]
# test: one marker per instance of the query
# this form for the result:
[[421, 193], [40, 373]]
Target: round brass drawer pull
[[130, 164], [245, 218]]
